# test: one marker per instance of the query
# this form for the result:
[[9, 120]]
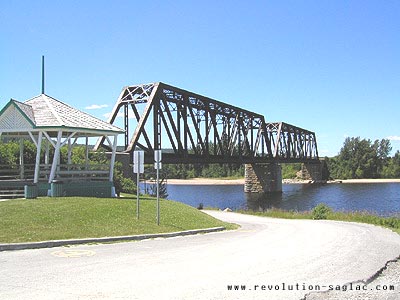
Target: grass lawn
[[81, 217], [360, 217]]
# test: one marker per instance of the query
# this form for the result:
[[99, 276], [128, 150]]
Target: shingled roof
[[47, 112]]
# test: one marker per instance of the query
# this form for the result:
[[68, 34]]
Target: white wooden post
[[47, 158], [37, 162], [47, 155], [87, 154], [69, 151], [21, 159], [55, 157], [114, 150]]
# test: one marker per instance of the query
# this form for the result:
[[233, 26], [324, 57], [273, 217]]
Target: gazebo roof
[[47, 113]]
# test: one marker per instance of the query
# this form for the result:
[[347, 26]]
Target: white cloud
[[96, 106], [394, 138], [119, 115]]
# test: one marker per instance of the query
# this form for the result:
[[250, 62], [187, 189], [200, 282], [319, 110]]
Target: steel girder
[[191, 128]]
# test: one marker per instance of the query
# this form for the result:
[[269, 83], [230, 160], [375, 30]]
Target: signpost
[[157, 166], [138, 168]]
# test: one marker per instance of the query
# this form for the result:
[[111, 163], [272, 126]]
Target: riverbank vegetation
[[79, 217], [362, 158], [357, 159], [324, 212]]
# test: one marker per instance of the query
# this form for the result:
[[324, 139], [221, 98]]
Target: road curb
[[58, 243]]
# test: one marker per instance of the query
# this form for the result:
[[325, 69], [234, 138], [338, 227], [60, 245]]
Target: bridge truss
[[191, 128]]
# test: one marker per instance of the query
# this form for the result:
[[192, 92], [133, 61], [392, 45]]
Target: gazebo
[[48, 122]]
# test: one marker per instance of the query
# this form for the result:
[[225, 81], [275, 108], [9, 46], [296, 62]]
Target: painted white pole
[[21, 159], [47, 155], [55, 157], [37, 162], [87, 154], [113, 154], [69, 152]]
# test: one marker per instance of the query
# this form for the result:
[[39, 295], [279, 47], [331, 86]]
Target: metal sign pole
[[138, 167], [157, 165], [158, 193], [137, 196]]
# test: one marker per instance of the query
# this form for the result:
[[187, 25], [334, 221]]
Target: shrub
[[321, 212], [128, 186], [121, 183]]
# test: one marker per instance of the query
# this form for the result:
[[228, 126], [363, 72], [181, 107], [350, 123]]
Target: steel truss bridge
[[191, 128]]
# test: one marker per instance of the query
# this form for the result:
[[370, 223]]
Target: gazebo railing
[[82, 172], [64, 172], [16, 172]]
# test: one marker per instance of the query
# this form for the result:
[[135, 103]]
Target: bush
[[321, 212], [289, 171], [128, 186], [121, 183]]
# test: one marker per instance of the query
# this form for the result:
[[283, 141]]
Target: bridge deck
[[199, 129]]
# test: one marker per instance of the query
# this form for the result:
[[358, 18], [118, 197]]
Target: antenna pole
[[42, 74]]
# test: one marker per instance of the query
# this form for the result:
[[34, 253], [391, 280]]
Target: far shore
[[386, 180], [206, 181], [240, 181]]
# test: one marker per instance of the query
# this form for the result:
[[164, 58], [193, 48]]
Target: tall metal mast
[[42, 74]]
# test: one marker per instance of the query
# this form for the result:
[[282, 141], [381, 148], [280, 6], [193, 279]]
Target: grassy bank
[[80, 217], [360, 217]]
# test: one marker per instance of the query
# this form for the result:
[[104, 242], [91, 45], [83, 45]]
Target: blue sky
[[332, 67]]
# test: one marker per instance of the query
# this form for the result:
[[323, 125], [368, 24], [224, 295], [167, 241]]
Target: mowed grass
[[81, 217], [392, 223]]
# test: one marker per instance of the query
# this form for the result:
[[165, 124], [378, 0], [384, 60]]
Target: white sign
[[138, 162], [157, 155], [157, 159]]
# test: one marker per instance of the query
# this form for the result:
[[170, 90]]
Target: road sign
[[138, 162], [157, 156]]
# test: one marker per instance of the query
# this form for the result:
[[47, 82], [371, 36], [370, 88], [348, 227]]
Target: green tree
[[360, 158], [289, 171], [9, 153], [392, 168]]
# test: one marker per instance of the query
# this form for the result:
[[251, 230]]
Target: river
[[379, 198]]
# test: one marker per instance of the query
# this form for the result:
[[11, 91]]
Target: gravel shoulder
[[384, 286]]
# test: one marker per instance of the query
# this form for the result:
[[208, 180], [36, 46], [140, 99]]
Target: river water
[[379, 198]]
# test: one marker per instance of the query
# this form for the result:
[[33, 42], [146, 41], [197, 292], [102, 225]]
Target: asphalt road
[[263, 254]]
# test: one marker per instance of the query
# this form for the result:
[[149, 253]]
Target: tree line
[[362, 158], [358, 158]]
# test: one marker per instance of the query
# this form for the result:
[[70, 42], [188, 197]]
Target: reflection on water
[[380, 198], [299, 197], [262, 202]]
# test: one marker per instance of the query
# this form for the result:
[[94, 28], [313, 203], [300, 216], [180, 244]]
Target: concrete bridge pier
[[263, 178], [316, 171]]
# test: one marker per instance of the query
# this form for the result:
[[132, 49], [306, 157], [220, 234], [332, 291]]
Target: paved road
[[269, 252]]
